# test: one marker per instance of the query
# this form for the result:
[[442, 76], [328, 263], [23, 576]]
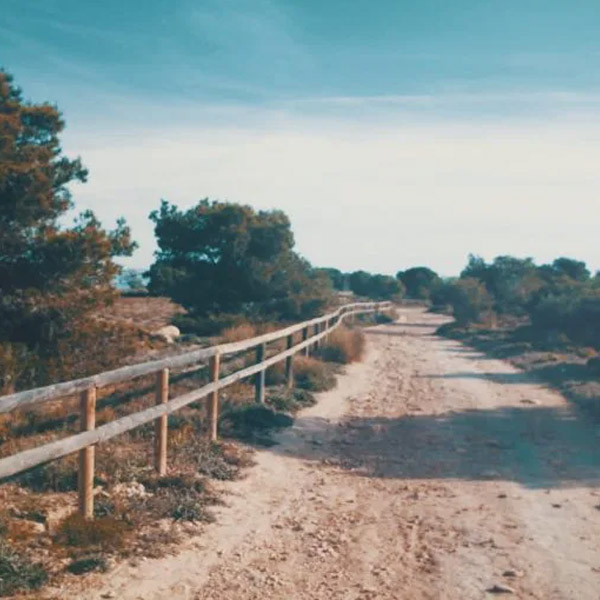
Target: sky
[[393, 133]]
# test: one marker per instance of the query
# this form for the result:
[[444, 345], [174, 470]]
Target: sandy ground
[[430, 472]]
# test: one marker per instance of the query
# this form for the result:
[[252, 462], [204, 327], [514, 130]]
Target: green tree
[[221, 257], [469, 299], [51, 276], [376, 287], [419, 282], [512, 282]]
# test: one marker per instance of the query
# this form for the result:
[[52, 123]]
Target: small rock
[[169, 333], [500, 589], [513, 573], [130, 490]]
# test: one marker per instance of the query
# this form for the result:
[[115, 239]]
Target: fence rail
[[89, 436]]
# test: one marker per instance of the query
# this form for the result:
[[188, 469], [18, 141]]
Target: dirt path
[[430, 472]]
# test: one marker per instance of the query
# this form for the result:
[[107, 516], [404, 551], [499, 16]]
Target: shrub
[[275, 375], [105, 533], [343, 346], [469, 299], [87, 564], [286, 400], [253, 422], [57, 476], [180, 497], [18, 573], [215, 460], [312, 374], [243, 331], [389, 316]]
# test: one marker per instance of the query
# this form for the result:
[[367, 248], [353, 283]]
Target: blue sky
[[393, 133]]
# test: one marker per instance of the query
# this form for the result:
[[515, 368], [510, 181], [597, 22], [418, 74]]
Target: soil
[[431, 472]]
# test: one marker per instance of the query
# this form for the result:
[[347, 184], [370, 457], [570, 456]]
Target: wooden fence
[[311, 332]]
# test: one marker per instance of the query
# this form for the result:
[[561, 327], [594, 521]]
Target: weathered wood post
[[161, 424], [259, 381], [316, 332], [305, 350], [212, 402], [87, 416], [289, 364]]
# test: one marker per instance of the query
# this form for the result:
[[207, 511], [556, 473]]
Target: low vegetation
[[343, 346], [545, 319]]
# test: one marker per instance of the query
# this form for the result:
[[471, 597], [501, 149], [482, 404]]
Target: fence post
[[317, 331], [160, 438], [212, 402], [259, 381], [306, 350], [289, 364], [87, 416]]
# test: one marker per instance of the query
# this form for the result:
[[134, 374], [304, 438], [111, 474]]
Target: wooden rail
[[85, 441]]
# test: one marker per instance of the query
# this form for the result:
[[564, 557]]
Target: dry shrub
[[275, 375], [242, 331], [105, 533], [312, 374], [344, 346]]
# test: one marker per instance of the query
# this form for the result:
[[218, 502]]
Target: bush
[[252, 422], [57, 476], [312, 374], [286, 400], [18, 573], [87, 564], [571, 314], [106, 533], [343, 346], [469, 299], [243, 331], [275, 375]]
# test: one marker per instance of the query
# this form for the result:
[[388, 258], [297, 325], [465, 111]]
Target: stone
[[169, 333], [499, 588]]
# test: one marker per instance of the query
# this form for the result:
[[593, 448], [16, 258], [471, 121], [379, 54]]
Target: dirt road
[[430, 472]]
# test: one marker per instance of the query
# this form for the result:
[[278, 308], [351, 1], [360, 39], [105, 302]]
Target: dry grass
[[246, 330], [344, 346], [313, 375], [147, 312]]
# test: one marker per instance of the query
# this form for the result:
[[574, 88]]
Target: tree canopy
[[50, 275], [419, 282], [223, 257]]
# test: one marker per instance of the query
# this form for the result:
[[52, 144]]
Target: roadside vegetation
[[544, 318]]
